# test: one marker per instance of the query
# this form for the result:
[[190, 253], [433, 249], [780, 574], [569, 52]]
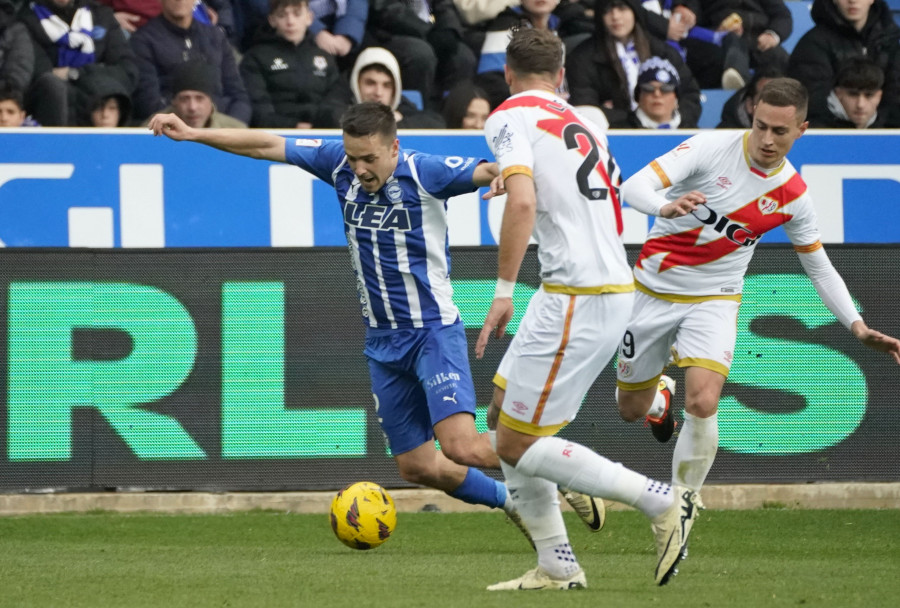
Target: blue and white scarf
[[74, 41], [631, 63]]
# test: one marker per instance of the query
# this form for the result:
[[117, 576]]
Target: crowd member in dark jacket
[[853, 102], [843, 31], [427, 40], [538, 14], [293, 83], [103, 102], [737, 113], [71, 39], [173, 38], [16, 50], [757, 28], [603, 71]]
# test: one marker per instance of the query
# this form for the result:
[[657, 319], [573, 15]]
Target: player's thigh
[[563, 344], [646, 344], [401, 408], [442, 366], [707, 335]]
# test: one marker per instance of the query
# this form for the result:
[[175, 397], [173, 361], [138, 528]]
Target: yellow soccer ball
[[363, 515]]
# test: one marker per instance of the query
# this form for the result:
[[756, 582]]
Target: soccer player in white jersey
[[690, 271], [561, 183], [394, 208]]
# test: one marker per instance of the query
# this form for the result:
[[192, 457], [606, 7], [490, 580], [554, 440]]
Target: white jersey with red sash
[[706, 253], [579, 218]]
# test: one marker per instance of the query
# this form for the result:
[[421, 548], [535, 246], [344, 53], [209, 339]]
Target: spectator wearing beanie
[[657, 93], [193, 86]]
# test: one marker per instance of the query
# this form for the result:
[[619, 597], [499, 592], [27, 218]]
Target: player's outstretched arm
[[245, 142], [836, 297], [876, 340]]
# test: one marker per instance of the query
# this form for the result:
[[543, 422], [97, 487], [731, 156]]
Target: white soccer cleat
[[538, 579], [590, 509], [671, 529]]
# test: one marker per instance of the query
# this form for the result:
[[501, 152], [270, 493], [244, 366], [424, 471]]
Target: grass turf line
[[737, 559]]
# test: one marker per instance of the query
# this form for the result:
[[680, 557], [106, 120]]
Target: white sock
[[695, 451], [555, 556], [655, 499], [537, 502], [573, 466], [658, 407]]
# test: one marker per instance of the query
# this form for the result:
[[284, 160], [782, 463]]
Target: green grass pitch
[[762, 558]]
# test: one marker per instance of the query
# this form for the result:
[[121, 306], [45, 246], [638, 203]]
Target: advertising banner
[[242, 369]]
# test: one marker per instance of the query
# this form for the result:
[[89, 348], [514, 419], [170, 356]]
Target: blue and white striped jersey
[[398, 235]]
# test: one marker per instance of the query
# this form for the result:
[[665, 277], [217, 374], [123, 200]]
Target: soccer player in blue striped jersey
[[394, 207]]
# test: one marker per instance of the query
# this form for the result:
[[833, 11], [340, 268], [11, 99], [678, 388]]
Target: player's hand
[[877, 340], [171, 126], [683, 204], [497, 319], [496, 188]]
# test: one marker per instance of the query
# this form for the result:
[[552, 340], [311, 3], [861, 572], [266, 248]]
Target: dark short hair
[[369, 118], [274, 5], [13, 95], [860, 74], [786, 92], [534, 51]]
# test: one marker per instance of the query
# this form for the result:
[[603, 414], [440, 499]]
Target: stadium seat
[[894, 5], [712, 101], [802, 22], [414, 96]]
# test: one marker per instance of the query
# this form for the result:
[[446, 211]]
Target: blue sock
[[479, 489]]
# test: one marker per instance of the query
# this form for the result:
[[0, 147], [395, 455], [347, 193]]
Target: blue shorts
[[419, 377]]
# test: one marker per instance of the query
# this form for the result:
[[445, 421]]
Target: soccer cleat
[[538, 579], [671, 529], [590, 509], [515, 518], [664, 426]]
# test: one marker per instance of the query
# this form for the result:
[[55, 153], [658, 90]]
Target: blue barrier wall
[[125, 188]]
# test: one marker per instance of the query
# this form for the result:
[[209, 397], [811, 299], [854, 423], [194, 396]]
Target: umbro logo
[[278, 64]]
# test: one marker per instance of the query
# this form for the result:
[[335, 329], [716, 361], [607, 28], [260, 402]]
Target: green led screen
[[243, 370]]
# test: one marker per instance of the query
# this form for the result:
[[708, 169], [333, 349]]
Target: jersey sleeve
[[803, 228], [446, 176], [686, 159], [316, 156], [507, 137]]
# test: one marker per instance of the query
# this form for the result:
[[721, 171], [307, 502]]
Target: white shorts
[[563, 343], [696, 334]]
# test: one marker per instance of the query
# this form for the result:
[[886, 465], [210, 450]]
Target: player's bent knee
[[632, 407]]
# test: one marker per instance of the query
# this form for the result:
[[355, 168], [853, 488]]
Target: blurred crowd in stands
[[437, 63]]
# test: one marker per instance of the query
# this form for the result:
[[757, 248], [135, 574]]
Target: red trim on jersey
[[745, 224], [554, 126]]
